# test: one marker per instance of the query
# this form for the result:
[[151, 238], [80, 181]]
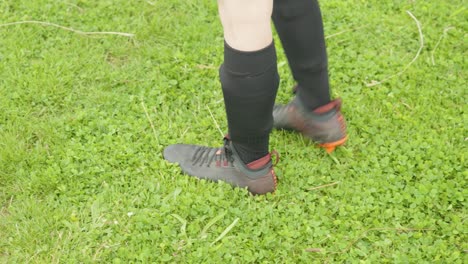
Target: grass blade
[[225, 231], [210, 224], [183, 228]]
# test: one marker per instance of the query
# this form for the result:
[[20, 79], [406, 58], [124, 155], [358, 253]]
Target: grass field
[[84, 120]]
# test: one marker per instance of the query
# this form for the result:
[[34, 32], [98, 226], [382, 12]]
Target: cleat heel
[[324, 125]]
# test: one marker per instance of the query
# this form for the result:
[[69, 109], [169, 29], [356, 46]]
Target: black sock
[[249, 81], [299, 25]]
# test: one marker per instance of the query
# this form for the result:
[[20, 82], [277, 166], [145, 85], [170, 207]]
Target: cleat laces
[[205, 156]]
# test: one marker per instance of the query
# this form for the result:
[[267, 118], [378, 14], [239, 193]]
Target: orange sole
[[330, 146]]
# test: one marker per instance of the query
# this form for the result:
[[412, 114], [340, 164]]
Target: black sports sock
[[299, 25], [249, 81]]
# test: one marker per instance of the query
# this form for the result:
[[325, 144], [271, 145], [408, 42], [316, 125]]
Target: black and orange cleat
[[325, 125], [224, 164]]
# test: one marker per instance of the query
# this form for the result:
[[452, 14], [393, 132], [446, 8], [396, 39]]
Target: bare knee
[[246, 23]]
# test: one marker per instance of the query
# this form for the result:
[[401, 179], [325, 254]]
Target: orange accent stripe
[[275, 180], [330, 146]]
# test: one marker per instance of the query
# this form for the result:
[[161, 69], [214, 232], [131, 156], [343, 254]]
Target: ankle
[[250, 154], [259, 163]]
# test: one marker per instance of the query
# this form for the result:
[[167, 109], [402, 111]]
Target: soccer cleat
[[224, 164], [325, 125]]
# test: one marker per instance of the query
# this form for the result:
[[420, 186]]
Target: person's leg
[[249, 80], [249, 76], [300, 27], [311, 112], [246, 23]]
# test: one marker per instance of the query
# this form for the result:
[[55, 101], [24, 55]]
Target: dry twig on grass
[[216, 123], [363, 234], [421, 45], [322, 186], [149, 119], [43, 23], [447, 29], [344, 31]]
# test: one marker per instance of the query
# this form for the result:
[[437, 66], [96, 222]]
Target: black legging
[[300, 27]]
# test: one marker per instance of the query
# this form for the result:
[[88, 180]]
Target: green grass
[[82, 177]]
